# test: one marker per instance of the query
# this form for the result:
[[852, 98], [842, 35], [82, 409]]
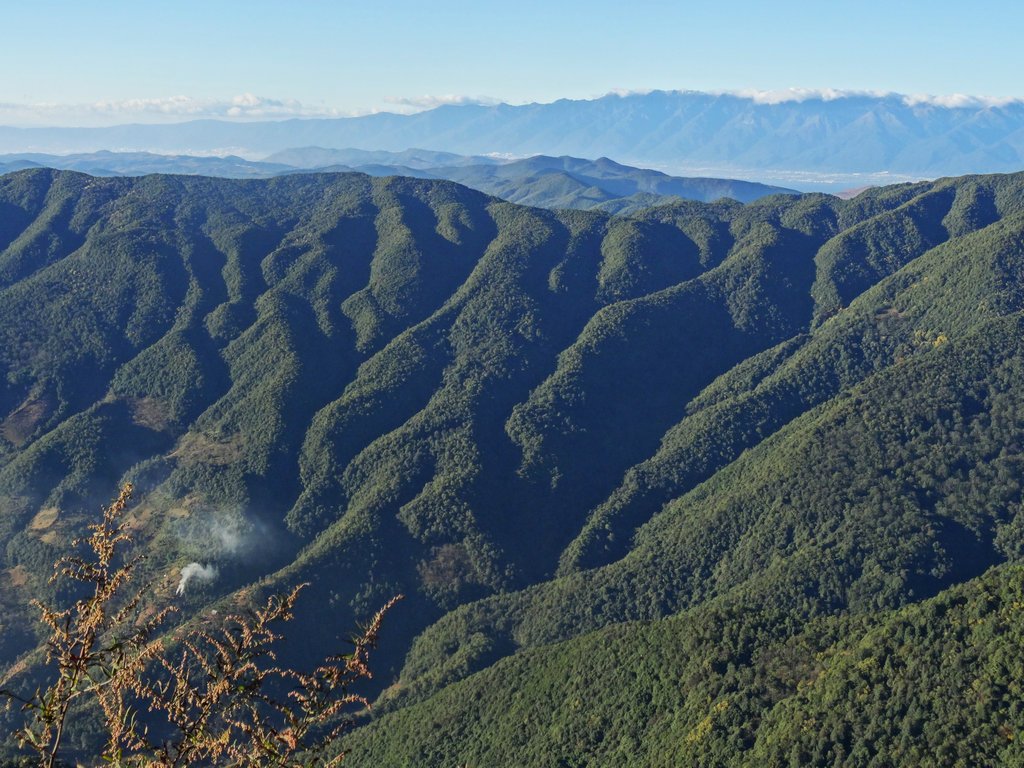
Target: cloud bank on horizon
[[783, 95], [425, 102], [251, 107], [246, 106], [243, 107]]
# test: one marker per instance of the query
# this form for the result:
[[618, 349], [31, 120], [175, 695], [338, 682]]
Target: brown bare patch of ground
[[19, 426], [138, 520], [185, 508], [17, 576], [44, 519], [44, 525], [149, 412]]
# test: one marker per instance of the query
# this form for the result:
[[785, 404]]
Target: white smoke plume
[[204, 574], [213, 534], [227, 537], [219, 537]]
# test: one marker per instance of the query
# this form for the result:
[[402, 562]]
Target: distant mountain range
[[680, 131], [546, 182], [573, 183]]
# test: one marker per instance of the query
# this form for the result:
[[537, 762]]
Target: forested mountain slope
[[571, 182], [936, 683], [543, 182], [793, 417]]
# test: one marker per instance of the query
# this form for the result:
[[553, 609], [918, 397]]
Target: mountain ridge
[[536, 424], [726, 134], [540, 181]]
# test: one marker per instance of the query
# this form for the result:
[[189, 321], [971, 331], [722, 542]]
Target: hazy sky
[[112, 61]]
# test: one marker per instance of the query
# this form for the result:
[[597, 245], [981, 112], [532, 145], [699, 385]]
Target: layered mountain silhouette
[[546, 182], [718, 483], [707, 134]]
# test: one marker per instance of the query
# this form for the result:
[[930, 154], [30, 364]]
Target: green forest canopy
[[771, 438]]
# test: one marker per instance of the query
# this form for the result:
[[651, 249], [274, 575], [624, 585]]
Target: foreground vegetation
[[218, 698]]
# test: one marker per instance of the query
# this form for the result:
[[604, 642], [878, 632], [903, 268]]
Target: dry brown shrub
[[221, 697]]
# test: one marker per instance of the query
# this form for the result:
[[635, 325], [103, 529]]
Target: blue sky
[[110, 61]]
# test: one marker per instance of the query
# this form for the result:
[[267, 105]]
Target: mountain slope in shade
[[536, 424]]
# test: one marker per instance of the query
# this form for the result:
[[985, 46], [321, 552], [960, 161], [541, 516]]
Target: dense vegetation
[[570, 182], [711, 483], [934, 684], [544, 182]]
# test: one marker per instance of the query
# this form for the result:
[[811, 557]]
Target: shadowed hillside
[[790, 420]]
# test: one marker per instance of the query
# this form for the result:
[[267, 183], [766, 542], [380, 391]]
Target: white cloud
[[782, 95], [250, 106], [421, 103], [777, 96], [249, 100], [952, 101], [624, 92], [246, 106], [958, 100], [804, 94]]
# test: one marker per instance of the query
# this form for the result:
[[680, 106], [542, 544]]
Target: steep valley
[[684, 486]]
